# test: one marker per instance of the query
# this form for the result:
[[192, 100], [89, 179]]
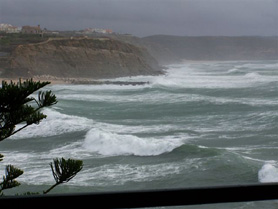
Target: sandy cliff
[[82, 58]]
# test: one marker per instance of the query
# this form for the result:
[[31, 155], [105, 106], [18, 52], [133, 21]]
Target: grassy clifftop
[[80, 57]]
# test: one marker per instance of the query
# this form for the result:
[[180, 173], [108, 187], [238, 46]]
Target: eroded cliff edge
[[80, 58]]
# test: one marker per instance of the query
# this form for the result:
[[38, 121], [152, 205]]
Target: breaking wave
[[252, 75], [268, 173], [56, 123], [111, 144], [207, 123]]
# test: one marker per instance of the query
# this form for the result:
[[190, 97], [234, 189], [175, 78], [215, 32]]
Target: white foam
[[36, 169], [71, 150], [107, 87], [252, 75], [255, 65], [55, 124], [166, 98], [119, 174], [108, 174], [195, 78], [268, 173], [234, 70], [204, 75], [112, 144]]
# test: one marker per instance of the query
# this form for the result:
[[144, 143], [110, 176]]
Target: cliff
[[120, 55], [80, 58]]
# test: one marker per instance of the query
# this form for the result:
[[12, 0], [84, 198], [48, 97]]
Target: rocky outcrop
[[82, 58]]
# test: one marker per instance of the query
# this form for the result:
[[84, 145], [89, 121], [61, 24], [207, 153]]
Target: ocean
[[199, 124]]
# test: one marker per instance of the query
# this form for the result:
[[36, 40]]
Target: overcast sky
[[148, 17]]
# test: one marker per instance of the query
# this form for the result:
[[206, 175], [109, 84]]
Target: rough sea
[[200, 124]]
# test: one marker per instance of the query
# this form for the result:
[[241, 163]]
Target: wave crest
[[56, 123], [112, 144], [268, 173]]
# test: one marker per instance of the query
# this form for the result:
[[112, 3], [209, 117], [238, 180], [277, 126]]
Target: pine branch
[[1, 157], [17, 130], [11, 173], [14, 108], [64, 170], [46, 99], [52, 187]]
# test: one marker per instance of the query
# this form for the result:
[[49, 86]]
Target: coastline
[[75, 81], [53, 81]]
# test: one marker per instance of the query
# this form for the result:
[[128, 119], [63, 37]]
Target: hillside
[[122, 55], [170, 49], [79, 58]]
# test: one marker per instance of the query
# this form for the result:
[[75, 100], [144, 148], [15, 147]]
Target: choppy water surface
[[199, 124]]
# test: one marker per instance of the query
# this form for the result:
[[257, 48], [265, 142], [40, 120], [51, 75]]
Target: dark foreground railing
[[148, 198]]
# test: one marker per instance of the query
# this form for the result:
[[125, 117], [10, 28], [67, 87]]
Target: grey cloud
[[147, 17]]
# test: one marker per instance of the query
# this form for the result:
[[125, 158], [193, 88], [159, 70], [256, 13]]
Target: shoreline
[[52, 81], [101, 81], [76, 81], [184, 61]]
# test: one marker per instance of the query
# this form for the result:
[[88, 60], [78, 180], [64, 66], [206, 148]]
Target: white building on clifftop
[[8, 28], [97, 30]]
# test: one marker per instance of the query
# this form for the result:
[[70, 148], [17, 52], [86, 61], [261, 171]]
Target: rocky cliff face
[[82, 58]]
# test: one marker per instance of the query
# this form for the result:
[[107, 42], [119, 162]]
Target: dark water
[[200, 124]]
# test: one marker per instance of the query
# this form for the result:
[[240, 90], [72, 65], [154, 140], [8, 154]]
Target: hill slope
[[82, 58], [169, 49]]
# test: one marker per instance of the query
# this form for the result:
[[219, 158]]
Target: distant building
[[8, 28], [97, 30], [45, 31], [13, 29], [108, 31], [4, 27], [31, 29]]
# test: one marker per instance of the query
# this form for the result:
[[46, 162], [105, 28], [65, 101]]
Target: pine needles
[[17, 106], [64, 170]]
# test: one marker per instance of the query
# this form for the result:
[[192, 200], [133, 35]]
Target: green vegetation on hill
[[79, 57], [9, 41]]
